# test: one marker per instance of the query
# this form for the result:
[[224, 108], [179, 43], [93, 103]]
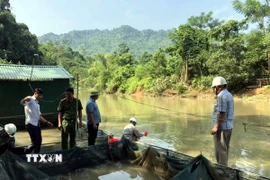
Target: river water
[[184, 125], [117, 171]]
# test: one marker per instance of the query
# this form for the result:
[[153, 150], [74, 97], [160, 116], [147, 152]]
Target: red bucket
[[145, 133], [113, 140]]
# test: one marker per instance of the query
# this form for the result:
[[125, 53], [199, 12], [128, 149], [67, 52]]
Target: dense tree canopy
[[153, 61], [17, 44], [91, 42]]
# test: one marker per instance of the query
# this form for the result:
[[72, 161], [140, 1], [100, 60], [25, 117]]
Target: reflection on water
[[154, 140], [112, 171], [184, 125]]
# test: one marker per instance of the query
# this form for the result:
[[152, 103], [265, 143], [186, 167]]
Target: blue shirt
[[225, 104], [91, 107]]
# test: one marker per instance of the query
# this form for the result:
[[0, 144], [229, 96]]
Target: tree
[[189, 42], [146, 57], [228, 57], [157, 65], [204, 21], [256, 12], [4, 5], [15, 38], [123, 48]]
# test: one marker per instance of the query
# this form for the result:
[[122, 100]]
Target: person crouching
[[131, 132], [7, 140]]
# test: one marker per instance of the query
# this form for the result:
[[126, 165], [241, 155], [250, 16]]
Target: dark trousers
[[36, 139], [15, 150], [3, 148], [9, 145], [92, 134], [222, 146]]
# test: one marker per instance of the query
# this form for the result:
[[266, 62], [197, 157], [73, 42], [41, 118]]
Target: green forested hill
[[127, 60], [90, 42]]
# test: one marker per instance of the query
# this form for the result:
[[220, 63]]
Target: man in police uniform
[[67, 117]]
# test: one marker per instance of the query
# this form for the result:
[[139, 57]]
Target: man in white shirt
[[32, 119], [131, 132]]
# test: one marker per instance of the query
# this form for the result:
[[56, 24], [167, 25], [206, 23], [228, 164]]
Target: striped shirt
[[92, 107], [224, 103]]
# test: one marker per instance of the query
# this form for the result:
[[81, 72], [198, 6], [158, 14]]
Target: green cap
[[94, 93]]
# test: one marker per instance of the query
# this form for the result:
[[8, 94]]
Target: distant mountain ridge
[[91, 42]]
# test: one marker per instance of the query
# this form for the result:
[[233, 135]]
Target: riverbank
[[256, 94]]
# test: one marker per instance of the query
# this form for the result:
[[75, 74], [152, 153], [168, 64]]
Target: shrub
[[131, 85], [181, 89], [202, 83]]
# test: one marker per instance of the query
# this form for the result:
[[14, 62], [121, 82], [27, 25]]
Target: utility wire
[[252, 124], [245, 124], [32, 89], [160, 107]]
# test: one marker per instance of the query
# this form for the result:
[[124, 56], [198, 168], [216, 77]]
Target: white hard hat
[[218, 81], [132, 120], [10, 129]]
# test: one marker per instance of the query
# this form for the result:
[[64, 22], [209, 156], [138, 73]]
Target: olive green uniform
[[68, 108]]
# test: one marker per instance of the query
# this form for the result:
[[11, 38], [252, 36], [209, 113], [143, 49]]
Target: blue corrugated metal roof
[[23, 72]]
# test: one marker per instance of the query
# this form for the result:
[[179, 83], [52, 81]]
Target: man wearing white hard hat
[[131, 132], [7, 140], [222, 120]]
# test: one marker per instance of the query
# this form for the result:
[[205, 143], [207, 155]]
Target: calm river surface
[[184, 125]]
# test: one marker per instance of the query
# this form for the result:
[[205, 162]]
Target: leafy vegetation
[[126, 60], [17, 44]]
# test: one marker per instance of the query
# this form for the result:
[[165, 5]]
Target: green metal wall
[[11, 92]]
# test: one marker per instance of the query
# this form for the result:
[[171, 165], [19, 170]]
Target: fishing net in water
[[166, 163], [174, 165], [199, 168], [13, 167], [75, 158], [146, 157]]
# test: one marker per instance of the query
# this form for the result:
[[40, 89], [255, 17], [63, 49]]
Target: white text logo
[[45, 158]]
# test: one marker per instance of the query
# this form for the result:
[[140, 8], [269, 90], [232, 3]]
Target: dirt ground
[[258, 94]]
